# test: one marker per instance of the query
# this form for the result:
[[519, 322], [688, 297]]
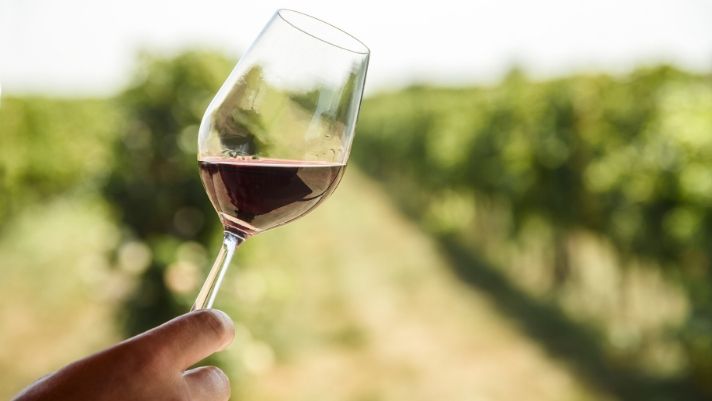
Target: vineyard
[[579, 209]]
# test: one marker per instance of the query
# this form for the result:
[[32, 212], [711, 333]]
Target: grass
[[57, 289]]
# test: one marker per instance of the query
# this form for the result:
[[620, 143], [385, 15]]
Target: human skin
[[150, 366]]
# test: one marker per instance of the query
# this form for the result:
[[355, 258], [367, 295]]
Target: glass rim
[[283, 13]]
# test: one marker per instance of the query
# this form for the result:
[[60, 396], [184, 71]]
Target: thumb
[[189, 338]]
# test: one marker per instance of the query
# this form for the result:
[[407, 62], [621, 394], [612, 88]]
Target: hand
[[150, 366]]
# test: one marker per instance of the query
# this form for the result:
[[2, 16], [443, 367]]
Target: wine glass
[[274, 142]]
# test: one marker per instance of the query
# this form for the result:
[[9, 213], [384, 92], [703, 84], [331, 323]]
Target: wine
[[253, 195]]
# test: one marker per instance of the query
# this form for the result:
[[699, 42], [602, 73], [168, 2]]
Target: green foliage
[[45, 149], [154, 185], [629, 158]]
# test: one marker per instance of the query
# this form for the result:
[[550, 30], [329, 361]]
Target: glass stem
[[210, 288]]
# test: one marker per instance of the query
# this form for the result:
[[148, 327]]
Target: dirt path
[[364, 309]]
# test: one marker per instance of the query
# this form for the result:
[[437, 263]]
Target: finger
[[207, 383], [189, 338]]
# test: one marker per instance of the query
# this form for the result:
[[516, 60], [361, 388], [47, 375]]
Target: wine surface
[[253, 195]]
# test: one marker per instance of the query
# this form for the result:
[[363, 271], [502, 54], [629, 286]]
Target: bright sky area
[[88, 47]]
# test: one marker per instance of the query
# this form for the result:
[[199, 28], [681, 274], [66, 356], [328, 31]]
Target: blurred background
[[527, 213]]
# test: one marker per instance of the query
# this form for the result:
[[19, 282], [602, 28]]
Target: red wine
[[253, 195]]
